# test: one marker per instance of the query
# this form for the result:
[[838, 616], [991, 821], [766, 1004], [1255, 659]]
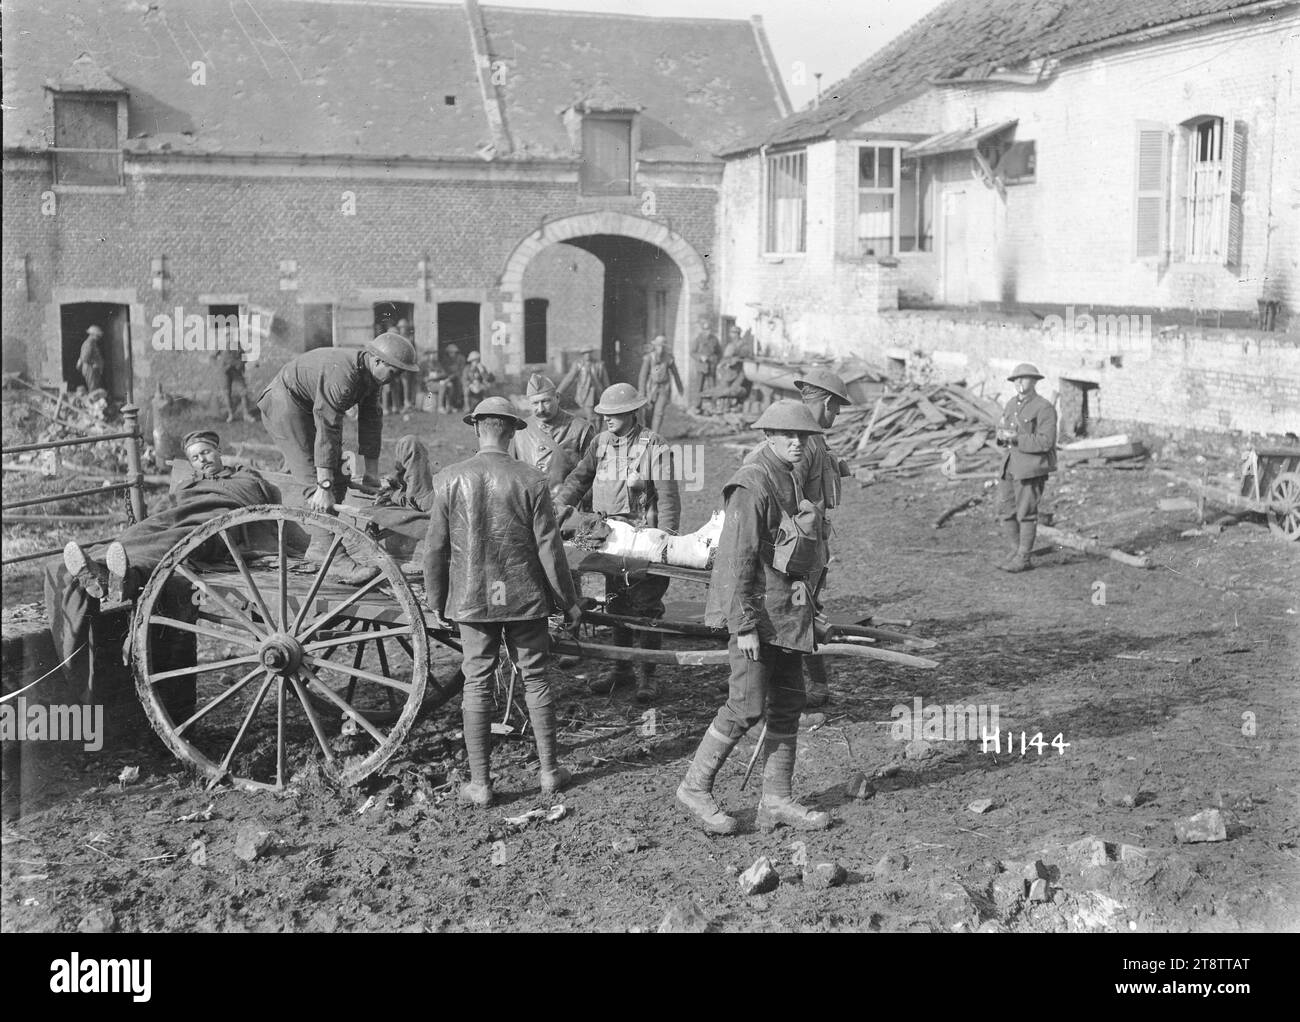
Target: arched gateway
[[631, 248]]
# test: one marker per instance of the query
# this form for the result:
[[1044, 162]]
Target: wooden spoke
[[247, 576], [360, 637], [279, 732], [313, 720], [224, 768], [200, 714], [284, 577], [337, 700], [386, 671], [334, 612], [316, 583], [216, 665], [223, 603], [211, 633], [360, 675]]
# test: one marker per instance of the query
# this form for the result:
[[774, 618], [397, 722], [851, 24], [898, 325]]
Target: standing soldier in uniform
[[589, 380], [628, 470], [1028, 432], [705, 352], [658, 373], [553, 441], [494, 563], [761, 591], [818, 474], [303, 410], [90, 361]]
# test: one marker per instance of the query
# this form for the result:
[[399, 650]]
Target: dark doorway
[[1080, 406], [458, 325], [115, 346], [535, 330], [389, 314]]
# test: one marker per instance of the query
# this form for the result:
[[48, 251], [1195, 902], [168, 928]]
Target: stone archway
[[695, 277]]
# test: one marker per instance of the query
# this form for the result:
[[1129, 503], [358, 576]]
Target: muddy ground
[[1207, 720]]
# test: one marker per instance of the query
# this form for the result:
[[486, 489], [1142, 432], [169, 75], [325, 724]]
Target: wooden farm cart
[[1270, 486], [294, 668]]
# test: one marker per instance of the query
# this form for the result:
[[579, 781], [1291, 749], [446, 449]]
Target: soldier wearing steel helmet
[[303, 409], [494, 563], [818, 475], [629, 472], [761, 590], [1027, 431]]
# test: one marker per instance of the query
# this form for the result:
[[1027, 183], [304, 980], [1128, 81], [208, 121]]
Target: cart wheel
[[259, 622], [1284, 501]]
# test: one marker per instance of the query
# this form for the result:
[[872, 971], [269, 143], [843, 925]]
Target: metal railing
[[133, 481]]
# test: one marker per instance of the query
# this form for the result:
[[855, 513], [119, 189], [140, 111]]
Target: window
[[535, 310], [606, 155], [895, 212], [317, 325], [1018, 165], [1205, 191], [787, 204], [1149, 197], [87, 149]]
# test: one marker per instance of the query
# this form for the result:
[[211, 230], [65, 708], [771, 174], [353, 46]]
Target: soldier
[[494, 563], [1028, 432], [761, 590], [453, 365], [476, 380], [818, 474], [229, 363], [589, 379], [628, 470], [90, 360], [303, 410], [705, 352], [554, 441], [658, 373]]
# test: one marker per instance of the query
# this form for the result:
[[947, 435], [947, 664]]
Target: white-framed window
[[895, 209], [786, 203], [1207, 197], [87, 141]]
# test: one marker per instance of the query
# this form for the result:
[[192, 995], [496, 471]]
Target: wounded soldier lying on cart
[[76, 590]]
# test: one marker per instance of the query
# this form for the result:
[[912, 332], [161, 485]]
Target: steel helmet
[[788, 414], [620, 399], [1025, 369], [473, 356], [827, 381], [497, 407], [394, 349]]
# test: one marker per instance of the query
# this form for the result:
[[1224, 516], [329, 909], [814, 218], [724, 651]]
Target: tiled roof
[[970, 39], [313, 77]]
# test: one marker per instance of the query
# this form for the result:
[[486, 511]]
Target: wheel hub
[[281, 654]]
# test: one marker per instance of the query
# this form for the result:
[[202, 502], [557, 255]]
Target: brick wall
[[1217, 380], [229, 233], [573, 281]]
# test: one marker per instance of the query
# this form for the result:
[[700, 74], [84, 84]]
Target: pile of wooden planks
[[918, 427]]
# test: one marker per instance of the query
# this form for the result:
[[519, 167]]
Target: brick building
[[1108, 188], [520, 182]]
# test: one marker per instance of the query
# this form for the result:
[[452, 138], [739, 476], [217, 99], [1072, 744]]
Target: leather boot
[[696, 790], [619, 672], [554, 777], [478, 749], [777, 807], [118, 565], [1011, 532], [1022, 559], [344, 568], [90, 575], [814, 682], [647, 687]]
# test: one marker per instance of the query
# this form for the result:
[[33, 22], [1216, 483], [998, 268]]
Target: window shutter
[[1236, 162], [354, 324], [1149, 191]]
